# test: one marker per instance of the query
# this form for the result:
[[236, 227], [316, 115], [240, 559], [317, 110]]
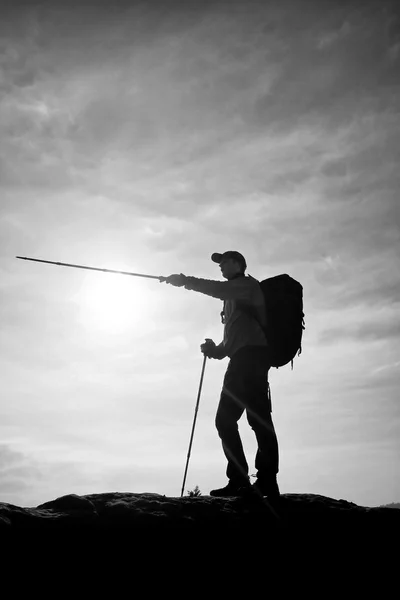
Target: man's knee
[[225, 424], [260, 420]]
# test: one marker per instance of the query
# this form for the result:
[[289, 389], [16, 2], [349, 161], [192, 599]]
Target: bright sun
[[114, 303]]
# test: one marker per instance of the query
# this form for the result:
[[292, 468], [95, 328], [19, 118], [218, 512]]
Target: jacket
[[244, 311]]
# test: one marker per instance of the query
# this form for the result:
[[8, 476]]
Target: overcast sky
[[144, 136]]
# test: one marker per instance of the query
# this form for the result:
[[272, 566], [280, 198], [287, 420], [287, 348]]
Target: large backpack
[[285, 318]]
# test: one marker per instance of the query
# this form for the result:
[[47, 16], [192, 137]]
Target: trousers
[[245, 388]]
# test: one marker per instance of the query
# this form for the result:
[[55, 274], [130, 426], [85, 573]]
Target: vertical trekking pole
[[194, 423]]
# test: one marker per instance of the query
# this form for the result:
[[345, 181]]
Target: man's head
[[231, 263]]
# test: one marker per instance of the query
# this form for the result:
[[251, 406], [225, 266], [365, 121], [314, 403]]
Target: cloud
[[333, 83], [17, 472], [152, 132], [388, 367], [371, 296], [9, 457], [334, 36], [364, 332]]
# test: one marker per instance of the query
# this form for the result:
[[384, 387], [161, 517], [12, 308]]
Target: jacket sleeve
[[220, 352], [235, 289]]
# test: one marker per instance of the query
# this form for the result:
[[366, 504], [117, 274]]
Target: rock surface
[[142, 512], [197, 541]]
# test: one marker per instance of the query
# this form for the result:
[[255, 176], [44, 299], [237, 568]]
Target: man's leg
[[267, 457], [260, 419], [226, 421], [230, 409]]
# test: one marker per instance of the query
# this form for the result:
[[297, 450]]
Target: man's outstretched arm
[[235, 289]]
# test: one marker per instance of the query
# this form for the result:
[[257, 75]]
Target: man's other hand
[[208, 348], [177, 280]]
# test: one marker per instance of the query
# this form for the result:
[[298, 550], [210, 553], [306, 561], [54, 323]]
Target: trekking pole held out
[[61, 264], [194, 424]]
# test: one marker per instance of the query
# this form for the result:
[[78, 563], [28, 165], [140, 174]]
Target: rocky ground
[[141, 512], [303, 529]]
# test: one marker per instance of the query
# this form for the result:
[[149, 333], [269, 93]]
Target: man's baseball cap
[[218, 258]]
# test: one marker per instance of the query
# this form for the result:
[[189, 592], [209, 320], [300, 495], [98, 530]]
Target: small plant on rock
[[194, 493]]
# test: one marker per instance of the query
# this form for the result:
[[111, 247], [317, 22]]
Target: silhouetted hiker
[[245, 386]]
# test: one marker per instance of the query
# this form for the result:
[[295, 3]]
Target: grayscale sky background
[[145, 136]]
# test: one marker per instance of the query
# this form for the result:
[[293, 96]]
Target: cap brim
[[216, 257]]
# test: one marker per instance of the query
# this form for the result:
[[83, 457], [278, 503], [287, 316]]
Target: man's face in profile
[[229, 268]]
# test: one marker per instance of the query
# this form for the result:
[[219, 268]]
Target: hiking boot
[[232, 489], [267, 487]]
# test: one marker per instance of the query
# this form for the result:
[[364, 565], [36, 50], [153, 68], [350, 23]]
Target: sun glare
[[114, 303]]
